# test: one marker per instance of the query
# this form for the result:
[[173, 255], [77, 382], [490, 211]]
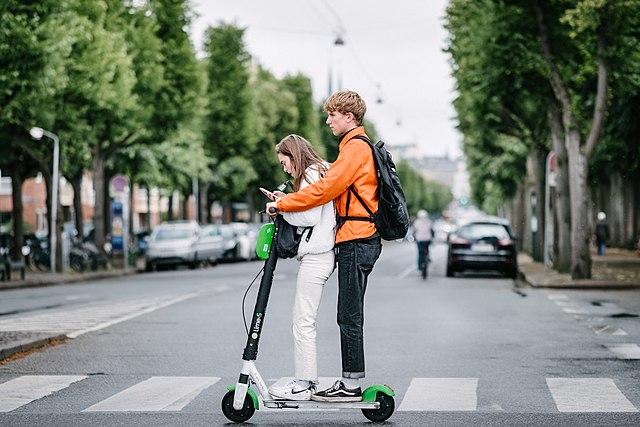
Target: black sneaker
[[338, 393]]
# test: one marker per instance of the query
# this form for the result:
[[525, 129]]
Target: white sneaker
[[291, 390]]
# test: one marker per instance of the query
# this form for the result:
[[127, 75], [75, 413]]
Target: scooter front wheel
[[387, 406], [234, 415]]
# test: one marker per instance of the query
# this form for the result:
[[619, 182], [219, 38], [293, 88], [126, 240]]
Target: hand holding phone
[[268, 193]]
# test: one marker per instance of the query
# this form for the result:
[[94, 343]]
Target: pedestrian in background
[[422, 233], [602, 233]]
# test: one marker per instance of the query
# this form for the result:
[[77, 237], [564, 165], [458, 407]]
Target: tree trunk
[[615, 214], [204, 207], [16, 198], [185, 206], [170, 209], [635, 212], [578, 155], [628, 212], [59, 229], [130, 219], [76, 183], [535, 203], [580, 230], [99, 187], [562, 258], [149, 225]]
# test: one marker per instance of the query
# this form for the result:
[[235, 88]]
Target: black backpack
[[289, 237], [392, 218]]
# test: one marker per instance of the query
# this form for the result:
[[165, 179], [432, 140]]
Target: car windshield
[[479, 231], [173, 234]]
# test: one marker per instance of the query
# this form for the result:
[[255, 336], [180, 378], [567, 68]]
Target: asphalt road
[[161, 348]]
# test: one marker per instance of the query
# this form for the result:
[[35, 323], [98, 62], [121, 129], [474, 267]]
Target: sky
[[392, 51]]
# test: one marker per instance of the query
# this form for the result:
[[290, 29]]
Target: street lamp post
[[37, 133]]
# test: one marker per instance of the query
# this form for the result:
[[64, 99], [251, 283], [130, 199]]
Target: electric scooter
[[241, 401]]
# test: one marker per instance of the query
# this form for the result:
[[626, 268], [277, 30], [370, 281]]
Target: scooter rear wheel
[[387, 406], [234, 415]]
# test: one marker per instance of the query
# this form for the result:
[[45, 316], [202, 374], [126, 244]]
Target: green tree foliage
[[501, 94], [307, 125], [227, 136], [514, 61], [274, 115], [226, 131]]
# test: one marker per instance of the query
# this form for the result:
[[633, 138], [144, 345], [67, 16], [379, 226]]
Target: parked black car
[[482, 245]]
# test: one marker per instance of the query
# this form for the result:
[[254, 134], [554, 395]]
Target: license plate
[[482, 247]]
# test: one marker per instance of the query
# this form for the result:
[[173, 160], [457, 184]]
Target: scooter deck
[[311, 404]]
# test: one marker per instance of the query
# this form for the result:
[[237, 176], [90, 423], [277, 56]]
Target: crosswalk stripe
[[625, 351], [588, 395], [22, 390], [441, 394], [155, 394]]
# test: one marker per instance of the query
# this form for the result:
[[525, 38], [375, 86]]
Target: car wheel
[[450, 271], [512, 273]]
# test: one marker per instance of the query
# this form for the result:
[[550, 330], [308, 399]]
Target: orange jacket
[[354, 165]]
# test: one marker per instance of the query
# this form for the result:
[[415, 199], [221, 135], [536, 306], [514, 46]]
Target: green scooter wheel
[[234, 415], [387, 406]]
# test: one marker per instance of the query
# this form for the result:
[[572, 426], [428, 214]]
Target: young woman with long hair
[[317, 262]]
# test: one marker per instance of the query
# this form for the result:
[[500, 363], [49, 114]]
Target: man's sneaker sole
[[336, 398]]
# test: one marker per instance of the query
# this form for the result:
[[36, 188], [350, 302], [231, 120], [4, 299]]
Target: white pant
[[314, 271]]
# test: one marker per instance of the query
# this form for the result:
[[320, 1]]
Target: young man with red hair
[[351, 182]]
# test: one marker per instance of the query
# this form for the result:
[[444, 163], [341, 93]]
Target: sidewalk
[[42, 279], [14, 342], [618, 269]]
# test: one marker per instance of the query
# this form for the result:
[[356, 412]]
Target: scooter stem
[[257, 321]]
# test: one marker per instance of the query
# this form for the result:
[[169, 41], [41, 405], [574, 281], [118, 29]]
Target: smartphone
[[267, 193]]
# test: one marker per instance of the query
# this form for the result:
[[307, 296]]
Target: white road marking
[[23, 390], [608, 330], [80, 320], [408, 271], [557, 296], [441, 394], [588, 395], [153, 307], [155, 394], [625, 351]]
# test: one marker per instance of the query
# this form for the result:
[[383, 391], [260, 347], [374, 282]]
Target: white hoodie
[[321, 218]]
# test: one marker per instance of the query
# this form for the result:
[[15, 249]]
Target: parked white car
[[173, 244]]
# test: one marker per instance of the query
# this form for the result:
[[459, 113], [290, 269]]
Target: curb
[[581, 284], [7, 352], [65, 280]]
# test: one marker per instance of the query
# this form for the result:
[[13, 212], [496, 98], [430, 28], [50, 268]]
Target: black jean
[[355, 261]]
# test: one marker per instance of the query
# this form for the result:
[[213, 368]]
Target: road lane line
[[441, 394], [406, 272], [23, 390], [80, 320], [155, 394], [132, 315], [607, 330], [625, 351], [588, 395], [557, 296]]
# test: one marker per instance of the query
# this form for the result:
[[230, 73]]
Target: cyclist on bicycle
[[422, 233]]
